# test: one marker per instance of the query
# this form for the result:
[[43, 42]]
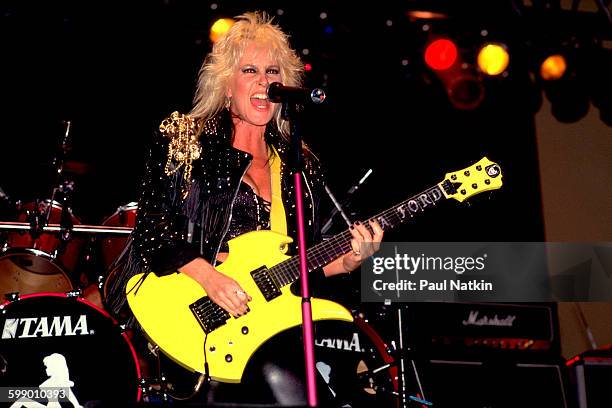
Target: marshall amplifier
[[476, 328], [483, 355], [484, 383]]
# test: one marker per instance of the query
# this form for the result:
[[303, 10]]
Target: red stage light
[[441, 54], [308, 67]]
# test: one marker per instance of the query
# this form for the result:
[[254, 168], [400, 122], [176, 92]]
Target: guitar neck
[[323, 253]]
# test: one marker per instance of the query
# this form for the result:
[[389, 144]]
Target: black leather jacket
[[171, 231]]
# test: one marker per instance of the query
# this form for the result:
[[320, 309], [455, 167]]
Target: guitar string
[[285, 271], [324, 252]]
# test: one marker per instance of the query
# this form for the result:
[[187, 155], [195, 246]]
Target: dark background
[[115, 69]]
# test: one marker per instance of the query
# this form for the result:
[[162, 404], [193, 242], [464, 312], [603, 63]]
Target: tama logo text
[[53, 326], [340, 343]]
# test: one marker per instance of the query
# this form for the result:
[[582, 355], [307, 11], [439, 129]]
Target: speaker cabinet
[[488, 384]]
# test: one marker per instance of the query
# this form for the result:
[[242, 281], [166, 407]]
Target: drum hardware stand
[[66, 187], [165, 390], [39, 218], [81, 228], [66, 224], [405, 399], [37, 221], [151, 391], [61, 185]]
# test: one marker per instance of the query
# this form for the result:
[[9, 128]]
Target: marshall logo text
[[475, 320], [53, 326]]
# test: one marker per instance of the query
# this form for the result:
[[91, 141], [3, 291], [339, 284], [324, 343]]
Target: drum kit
[[56, 331], [52, 335]]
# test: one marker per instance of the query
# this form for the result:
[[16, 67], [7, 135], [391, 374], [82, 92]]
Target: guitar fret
[[280, 278], [285, 277], [324, 252]]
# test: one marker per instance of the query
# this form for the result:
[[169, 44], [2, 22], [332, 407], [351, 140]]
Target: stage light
[[564, 77], [465, 91], [493, 59], [307, 67], [220, 27], [441, 54], [553, 67], [569, 99], [425, 15], [461, 81]]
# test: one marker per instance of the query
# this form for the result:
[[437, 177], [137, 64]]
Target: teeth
[[260, 96]]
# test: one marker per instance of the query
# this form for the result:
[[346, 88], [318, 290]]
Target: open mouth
[[260, 101]]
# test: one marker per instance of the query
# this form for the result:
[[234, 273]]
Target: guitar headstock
[[463, 184]]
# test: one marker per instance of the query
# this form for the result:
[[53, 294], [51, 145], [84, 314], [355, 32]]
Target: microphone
[[278, 93]]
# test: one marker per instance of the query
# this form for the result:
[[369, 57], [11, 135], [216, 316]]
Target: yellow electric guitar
[[177, 316]]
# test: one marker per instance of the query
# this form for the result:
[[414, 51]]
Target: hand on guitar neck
[[364, 243]]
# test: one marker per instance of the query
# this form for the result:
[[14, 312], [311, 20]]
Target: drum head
[[26, 272], [39, 263], [352, 360], [53, 340]]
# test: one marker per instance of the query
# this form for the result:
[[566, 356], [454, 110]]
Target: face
[[249, 84]]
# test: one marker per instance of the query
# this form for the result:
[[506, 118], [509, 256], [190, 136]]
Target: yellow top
[[278, 220]]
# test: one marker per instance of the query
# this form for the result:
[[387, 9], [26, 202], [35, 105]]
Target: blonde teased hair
[[221, 63]]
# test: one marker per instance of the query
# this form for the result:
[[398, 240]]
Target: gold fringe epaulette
[[184, 146]]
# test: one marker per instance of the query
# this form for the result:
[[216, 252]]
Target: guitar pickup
[[209, 314], [266, 284]]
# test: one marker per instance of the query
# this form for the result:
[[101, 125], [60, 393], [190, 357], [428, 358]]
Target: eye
[[248, 70], [273, 71]]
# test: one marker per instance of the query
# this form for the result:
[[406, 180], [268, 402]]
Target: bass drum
[[351, 359], [51, 340], [39, 264], [355, 363]]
